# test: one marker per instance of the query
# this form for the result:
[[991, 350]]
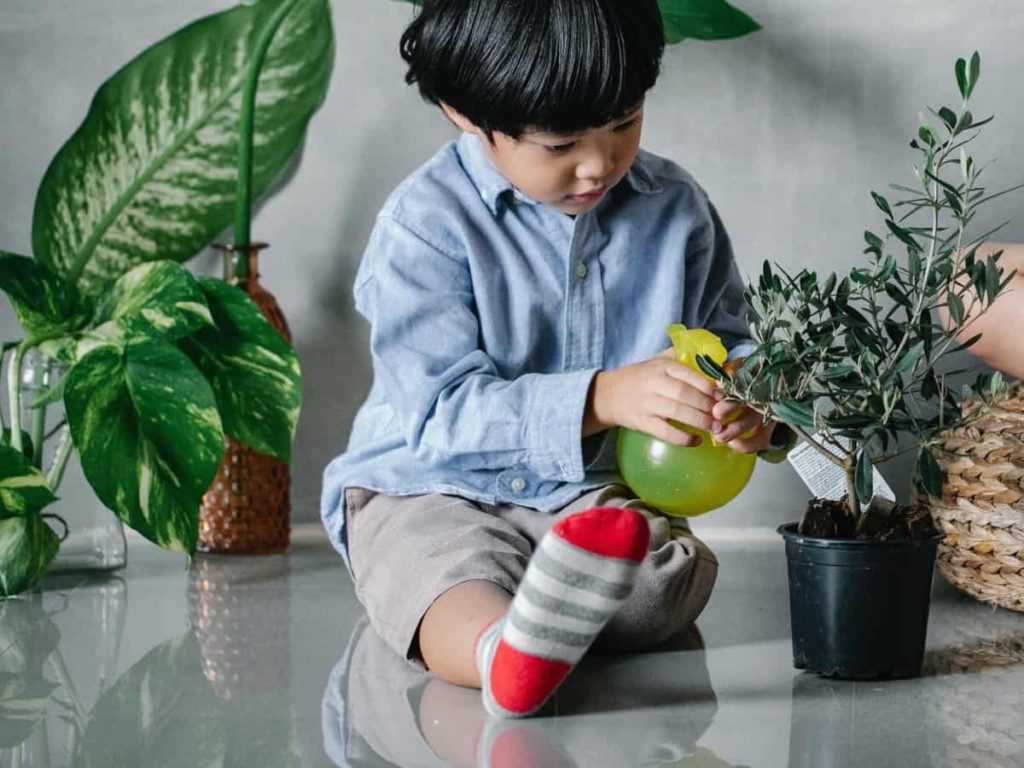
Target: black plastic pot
[[859, 608]]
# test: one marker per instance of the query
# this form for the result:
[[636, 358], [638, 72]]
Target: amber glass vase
[[247, 509]]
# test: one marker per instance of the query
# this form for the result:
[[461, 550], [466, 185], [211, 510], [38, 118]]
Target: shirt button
[[581, 270], [518, 485]]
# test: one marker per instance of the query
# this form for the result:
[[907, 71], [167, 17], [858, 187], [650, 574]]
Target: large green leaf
[[150, 173], [254, 373], [704, 20], [23, 489], [145, 424], [158, 298], [27, 545], [43, 302]]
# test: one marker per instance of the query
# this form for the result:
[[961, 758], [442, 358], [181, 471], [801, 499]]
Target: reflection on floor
[[269, 662]]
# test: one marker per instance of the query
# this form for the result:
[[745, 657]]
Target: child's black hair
[[560, 66]]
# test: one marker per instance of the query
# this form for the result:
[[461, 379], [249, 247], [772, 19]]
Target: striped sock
[[581, 572]]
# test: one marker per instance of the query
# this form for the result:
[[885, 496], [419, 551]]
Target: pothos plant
[[160, 364], [852, 363]]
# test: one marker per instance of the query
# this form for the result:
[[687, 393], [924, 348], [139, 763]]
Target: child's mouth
[[590, 197]]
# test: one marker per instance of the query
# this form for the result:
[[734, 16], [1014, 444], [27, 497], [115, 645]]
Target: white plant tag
[[823, 478]]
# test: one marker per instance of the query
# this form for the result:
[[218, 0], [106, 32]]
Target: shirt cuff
[[745, 349], [555, 425]]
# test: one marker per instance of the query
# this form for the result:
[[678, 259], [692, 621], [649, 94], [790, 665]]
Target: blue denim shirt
[[490, 314]]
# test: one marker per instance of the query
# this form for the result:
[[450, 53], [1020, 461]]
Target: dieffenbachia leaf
[[43, 302], [27, 546], [150, 173], [160, 298], [704, 20], [145, 424], [23, 489], [253, 371]]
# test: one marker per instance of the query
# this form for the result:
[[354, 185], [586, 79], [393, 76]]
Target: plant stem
[[246, 126], [60, 459], [14, 395], [38, 431], [852, 503]]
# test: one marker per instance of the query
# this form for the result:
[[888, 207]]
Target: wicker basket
[[981, 510]]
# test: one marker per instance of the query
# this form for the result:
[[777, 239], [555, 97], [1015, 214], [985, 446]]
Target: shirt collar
[[494, 187]]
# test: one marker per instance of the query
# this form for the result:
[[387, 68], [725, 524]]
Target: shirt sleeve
[[453, 405], [714, 289]]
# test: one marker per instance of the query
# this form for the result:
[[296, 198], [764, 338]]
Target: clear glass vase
[[94, 536]]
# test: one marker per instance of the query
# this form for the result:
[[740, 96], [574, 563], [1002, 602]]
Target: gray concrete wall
[[788, 130]]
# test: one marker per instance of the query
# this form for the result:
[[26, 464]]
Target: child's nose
[[596, 165]]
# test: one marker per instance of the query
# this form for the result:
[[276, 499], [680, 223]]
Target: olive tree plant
[[852, 362]]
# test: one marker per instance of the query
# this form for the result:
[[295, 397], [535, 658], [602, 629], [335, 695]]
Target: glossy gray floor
[[266, 662]]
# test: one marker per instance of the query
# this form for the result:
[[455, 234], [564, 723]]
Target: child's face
[[570, 173]]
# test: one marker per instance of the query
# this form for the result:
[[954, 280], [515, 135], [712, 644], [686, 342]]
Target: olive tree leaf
[[704, 20], [145, 424], [43, 302], [158, 298], [23, 489], [794, 413], [27, 546], [150, 172], [254, 372], [864, 477]]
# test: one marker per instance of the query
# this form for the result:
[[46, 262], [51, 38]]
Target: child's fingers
[[750, 420], [662, 430], [723, 411], [681, 392], [666, 408], [754, 443], [687, 375]]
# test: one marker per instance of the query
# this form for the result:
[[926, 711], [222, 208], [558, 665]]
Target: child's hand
[[739, 421], [646, 395]]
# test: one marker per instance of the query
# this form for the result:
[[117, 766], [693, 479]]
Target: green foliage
[[145, 423], [704, 20], [148, 175], [243, 358], [27, 547], [160, 363], [855, 357]]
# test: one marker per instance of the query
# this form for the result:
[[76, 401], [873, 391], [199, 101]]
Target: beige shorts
[[406, 551]]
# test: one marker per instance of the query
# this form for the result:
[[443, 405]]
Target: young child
[[518, 287]]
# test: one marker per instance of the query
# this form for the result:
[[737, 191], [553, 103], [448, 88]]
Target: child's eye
[[626, 126], [560, 149]]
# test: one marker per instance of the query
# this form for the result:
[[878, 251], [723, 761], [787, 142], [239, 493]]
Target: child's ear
[[461, 121]]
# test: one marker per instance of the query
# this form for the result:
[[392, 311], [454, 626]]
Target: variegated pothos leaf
[[145, 423], [150, 174], [23, 489], [254, 372], [27, 546], [160, 298]]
